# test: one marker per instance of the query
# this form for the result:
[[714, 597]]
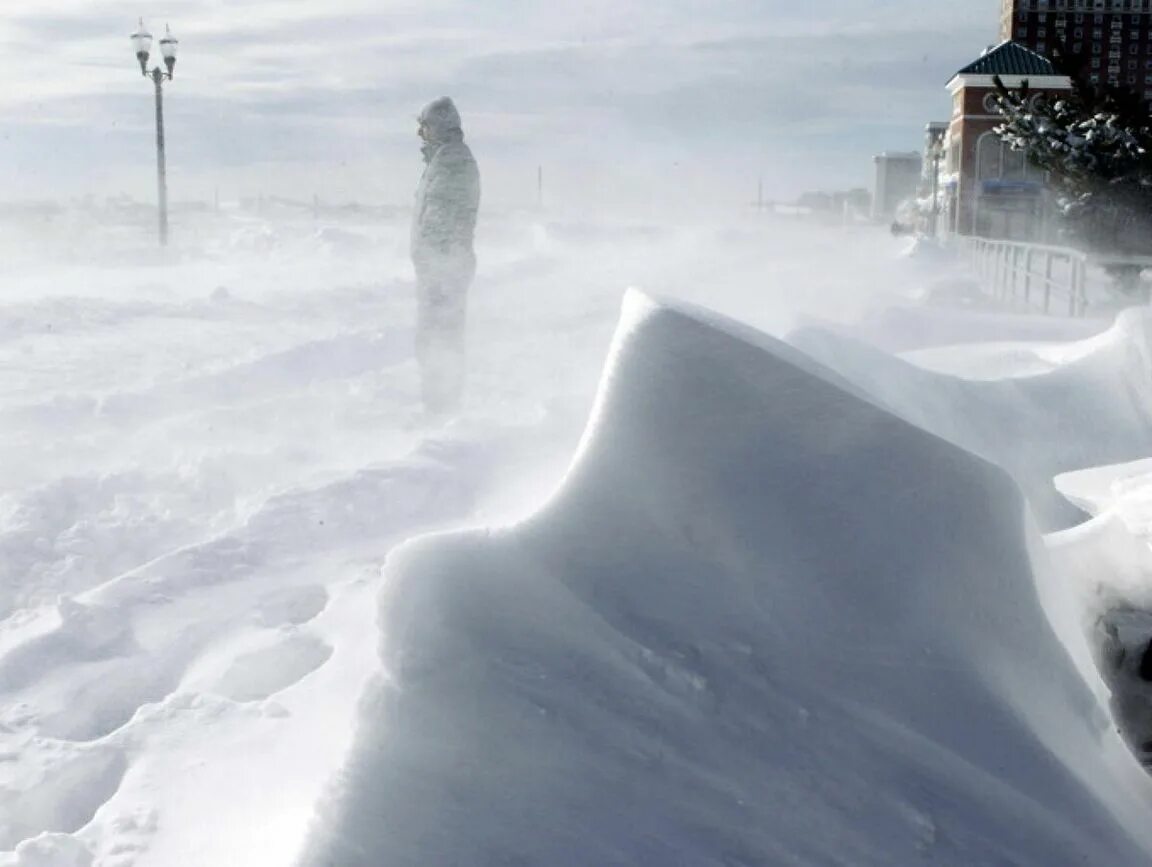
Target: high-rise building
[[1113, 36]]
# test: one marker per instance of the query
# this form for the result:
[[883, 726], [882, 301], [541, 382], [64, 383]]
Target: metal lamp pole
[[142, 42], [937, 153]]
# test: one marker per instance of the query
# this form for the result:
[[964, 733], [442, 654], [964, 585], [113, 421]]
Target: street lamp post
[[936, 154], [142, 43]]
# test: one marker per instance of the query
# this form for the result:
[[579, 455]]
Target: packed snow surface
[[760, 617]]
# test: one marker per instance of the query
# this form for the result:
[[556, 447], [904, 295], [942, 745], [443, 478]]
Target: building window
[[1095, 62], [989, 157], [1133, 49]]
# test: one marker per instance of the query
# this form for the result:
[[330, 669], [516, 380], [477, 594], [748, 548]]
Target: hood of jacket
[[442, 121]]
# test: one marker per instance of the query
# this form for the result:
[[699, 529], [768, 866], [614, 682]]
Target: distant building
[[1111, 35], [842, 205], [897, 180], [992, 190]]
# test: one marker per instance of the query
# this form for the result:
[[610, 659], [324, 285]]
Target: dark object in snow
[[1145, 670]]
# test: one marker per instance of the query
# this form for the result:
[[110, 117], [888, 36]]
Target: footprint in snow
[[261, 673], [61, 792], [131, 833]]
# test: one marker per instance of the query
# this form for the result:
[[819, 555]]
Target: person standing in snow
[[443, 225]]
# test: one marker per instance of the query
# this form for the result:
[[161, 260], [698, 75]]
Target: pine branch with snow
[[1096, 147]]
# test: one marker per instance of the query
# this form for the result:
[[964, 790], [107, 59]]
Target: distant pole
[[760, 195]]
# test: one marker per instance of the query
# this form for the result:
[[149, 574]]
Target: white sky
[[659, 100]]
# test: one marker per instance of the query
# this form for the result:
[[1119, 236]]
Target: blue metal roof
[[1010, 58]]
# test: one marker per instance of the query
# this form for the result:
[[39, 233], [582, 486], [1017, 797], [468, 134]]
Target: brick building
[[1112, 35], [991, 190]]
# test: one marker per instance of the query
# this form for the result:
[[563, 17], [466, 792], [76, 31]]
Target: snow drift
[[763, 621], [1094, 409]]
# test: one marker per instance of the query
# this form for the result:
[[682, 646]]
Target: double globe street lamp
[[142, 43]]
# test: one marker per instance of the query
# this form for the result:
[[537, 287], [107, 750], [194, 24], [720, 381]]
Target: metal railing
[[1052, 280]]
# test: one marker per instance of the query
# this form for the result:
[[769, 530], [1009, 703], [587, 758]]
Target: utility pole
[[142, 42], [935, 190]]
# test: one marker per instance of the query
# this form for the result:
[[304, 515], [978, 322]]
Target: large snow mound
[[1096, 408], [762, 621]]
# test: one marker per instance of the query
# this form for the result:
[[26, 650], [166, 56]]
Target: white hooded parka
[[447, 199]]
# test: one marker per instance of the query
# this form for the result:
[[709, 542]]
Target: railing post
[[1077, 287], [1048, 257], [1027, 275], [1015, 269]]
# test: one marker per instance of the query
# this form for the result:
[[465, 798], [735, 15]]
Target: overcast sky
[[656, 99]]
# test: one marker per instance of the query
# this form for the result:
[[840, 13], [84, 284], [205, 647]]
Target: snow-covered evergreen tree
[[1096, 145]]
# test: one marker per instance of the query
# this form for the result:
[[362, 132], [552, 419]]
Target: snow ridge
[[762, 620], [1095, 409]]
